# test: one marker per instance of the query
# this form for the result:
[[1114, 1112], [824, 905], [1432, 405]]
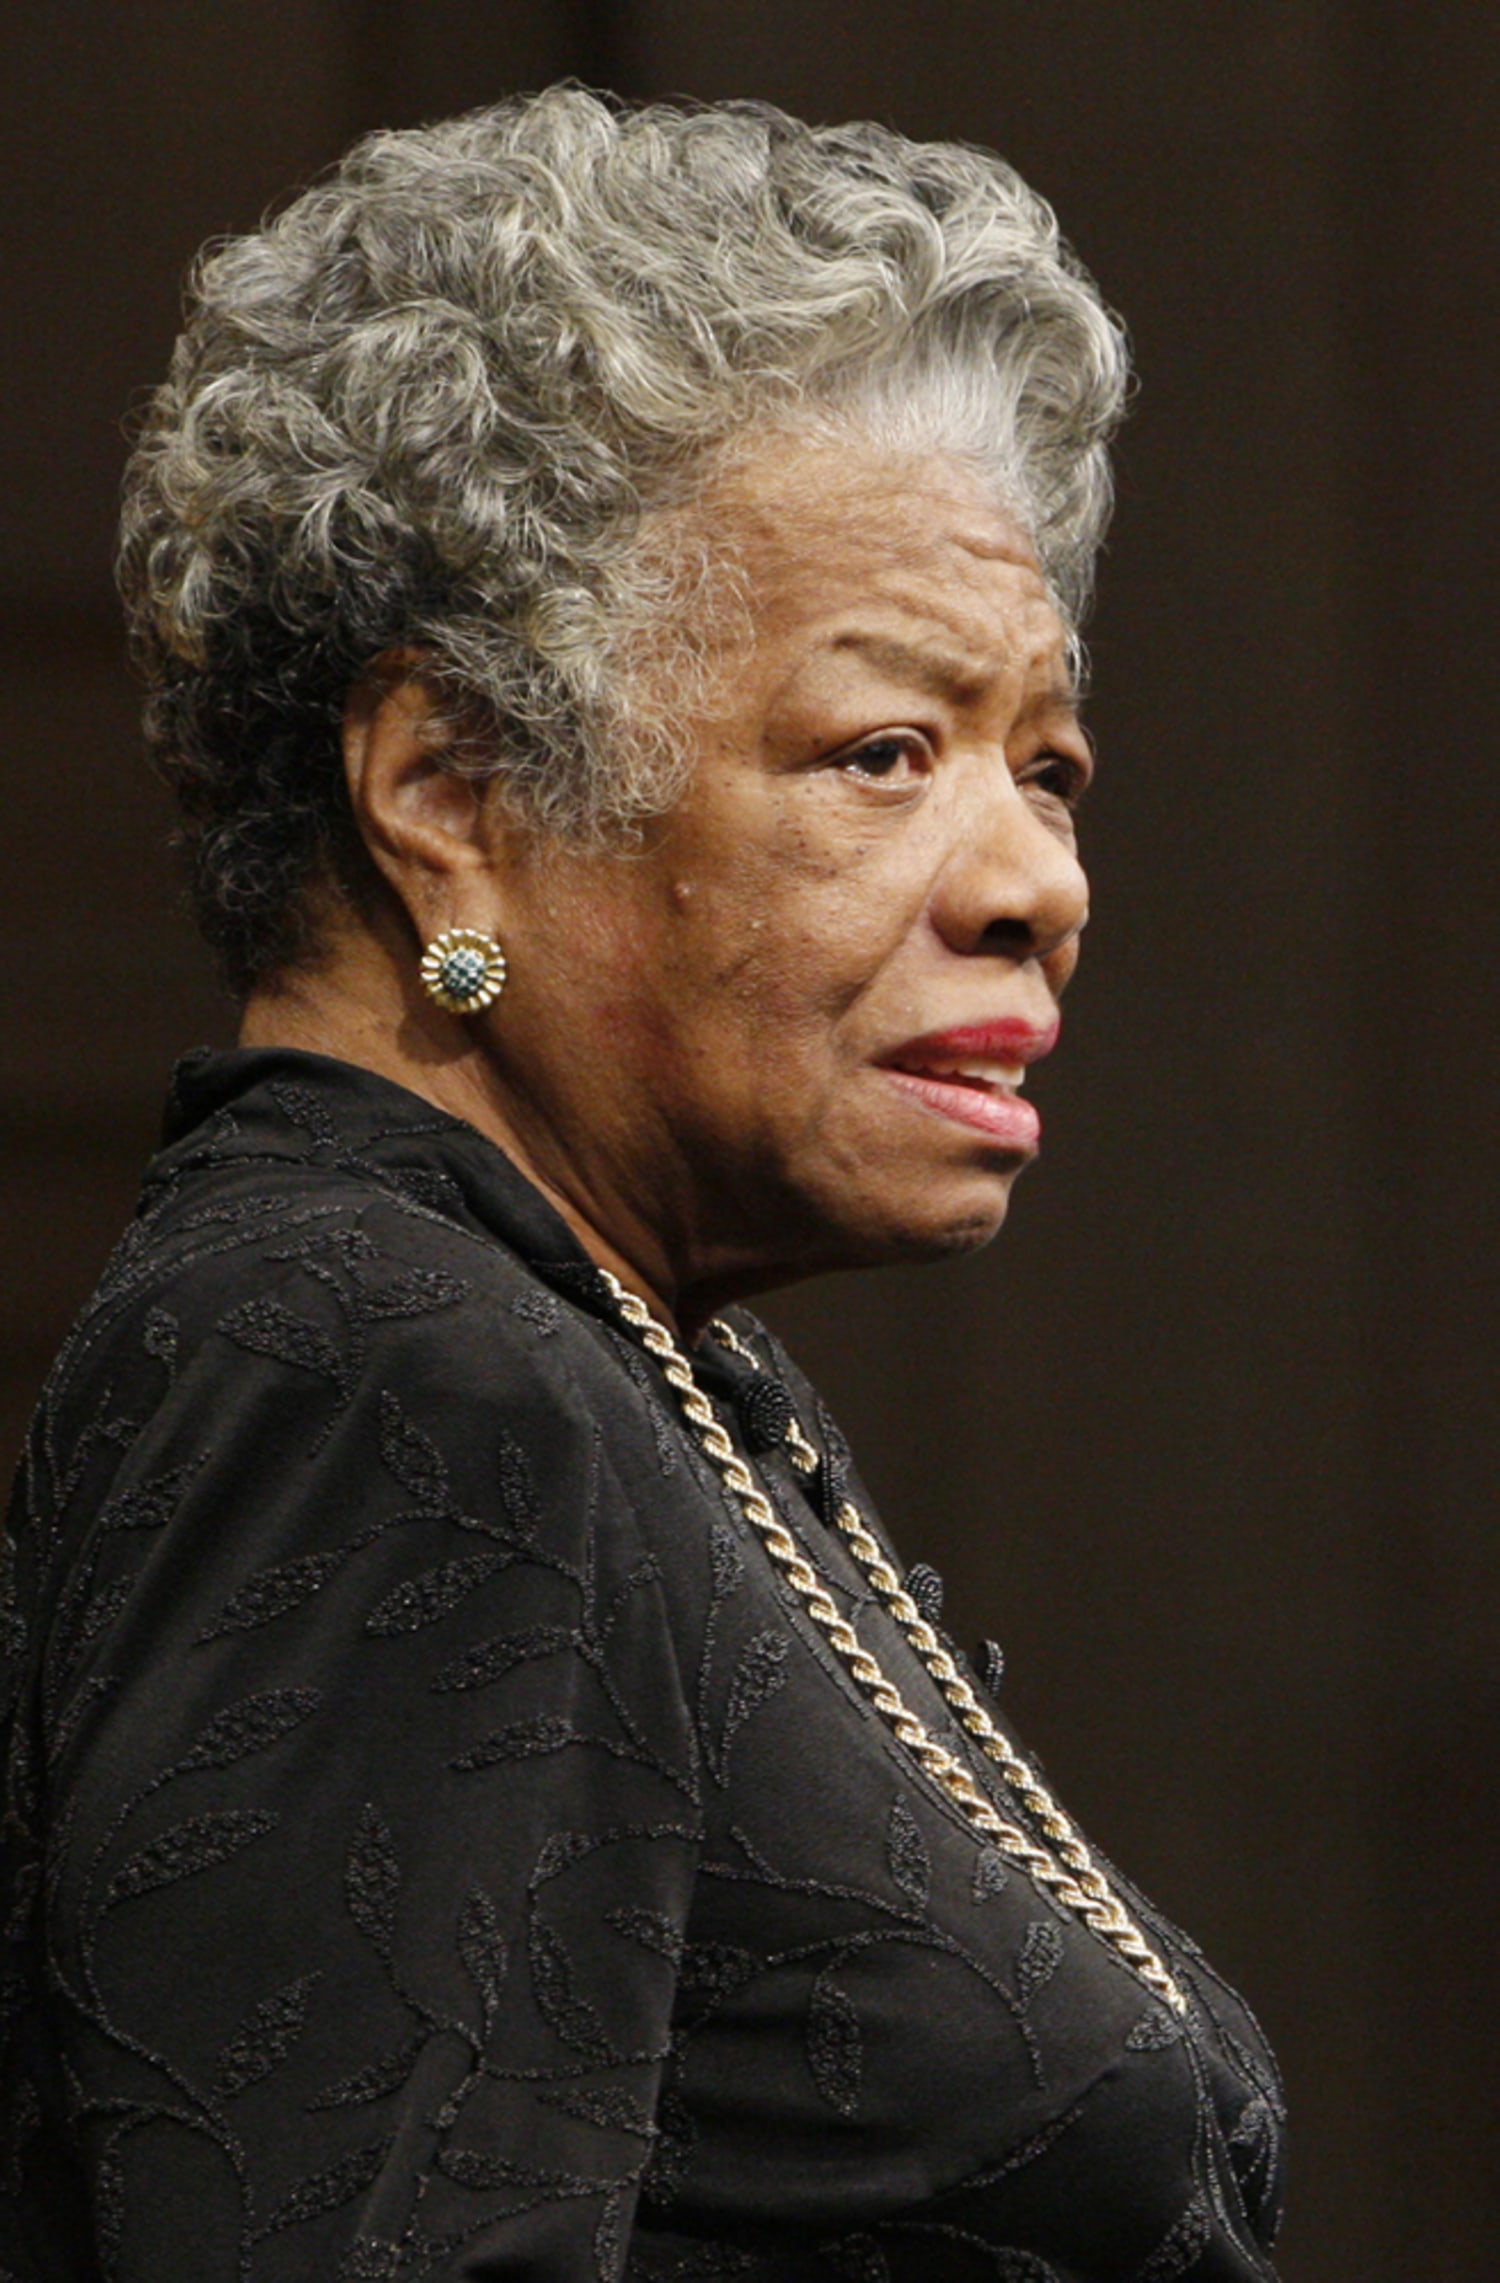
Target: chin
[[932, 1228], [853, 1227], [948, 1239]]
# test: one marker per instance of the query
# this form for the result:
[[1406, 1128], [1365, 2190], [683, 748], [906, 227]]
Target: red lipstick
[[1011, 1040], [970, 1075]]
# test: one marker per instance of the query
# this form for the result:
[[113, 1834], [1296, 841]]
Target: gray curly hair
[[436, 401]]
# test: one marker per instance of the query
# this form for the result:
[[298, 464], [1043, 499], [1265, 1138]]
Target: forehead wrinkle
[[935, 671], [925, 547], [941, 673]]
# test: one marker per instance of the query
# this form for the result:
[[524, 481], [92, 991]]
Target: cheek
[[745, 960], [823, 938], [692, 988], [775, 970], [595, 973]]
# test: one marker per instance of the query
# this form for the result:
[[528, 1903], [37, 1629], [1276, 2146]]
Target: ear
[[429, 830]]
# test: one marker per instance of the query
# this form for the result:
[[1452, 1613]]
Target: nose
[[1013, 884]]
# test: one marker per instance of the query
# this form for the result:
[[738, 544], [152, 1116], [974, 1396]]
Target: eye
[[1061, 777], [896, 759]]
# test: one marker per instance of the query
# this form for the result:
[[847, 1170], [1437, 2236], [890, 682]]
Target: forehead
[[849, 551]]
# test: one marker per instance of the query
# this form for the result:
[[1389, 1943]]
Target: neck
[[346, 1011]]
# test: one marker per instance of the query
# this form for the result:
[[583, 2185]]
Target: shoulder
[[355, 1433], [295, 1356]]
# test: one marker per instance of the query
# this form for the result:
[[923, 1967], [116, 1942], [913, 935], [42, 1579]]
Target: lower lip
[[1003, 1116]]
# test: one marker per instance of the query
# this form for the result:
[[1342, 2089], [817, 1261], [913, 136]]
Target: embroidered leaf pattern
[[557, 1851], [381, 2077], [760, 1673], [189, 1847], [305, 1108], [609, 2239], [717, 1967], [430, 1187], [906, 1853], [325, 2191], [1038, 1959], [613, 2109], [521, 1740], [990, 1874], [483, 1949], [250, 1726], [275, 1591], [671, 2154], [571, 2016], [517, 1488], [479, 2168], [651, 1928], [266, 1328], [835, 2049], [146, 1505], [1154, 2030], [264, 2038], [435, 1594], [1253, 2128], [491, 1660], [541, 1310], [95, 1617], [372, 1880], [1181, 2247], [410, 1292], [412, 1457], [372, 2259], [726, 1562]]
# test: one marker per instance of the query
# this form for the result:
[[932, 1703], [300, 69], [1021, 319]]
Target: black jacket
[[437, 1844]]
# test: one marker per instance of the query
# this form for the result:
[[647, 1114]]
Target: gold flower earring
[[463, 969]]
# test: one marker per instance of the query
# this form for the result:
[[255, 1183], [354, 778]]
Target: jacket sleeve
[[374, 1811]]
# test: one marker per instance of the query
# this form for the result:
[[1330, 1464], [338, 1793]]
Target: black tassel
[[765, 1410], [926, 1589], [989, 1663]]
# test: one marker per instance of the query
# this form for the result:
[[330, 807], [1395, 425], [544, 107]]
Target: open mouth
[[978, 1093], [972, 1075], [973, 1070]]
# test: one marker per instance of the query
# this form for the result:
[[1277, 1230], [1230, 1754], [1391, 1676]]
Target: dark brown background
[[1208, 1442]]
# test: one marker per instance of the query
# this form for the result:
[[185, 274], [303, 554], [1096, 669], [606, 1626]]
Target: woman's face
[[790, 1034]]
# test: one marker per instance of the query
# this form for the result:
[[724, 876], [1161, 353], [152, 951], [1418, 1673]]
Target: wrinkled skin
[[692, 1056]]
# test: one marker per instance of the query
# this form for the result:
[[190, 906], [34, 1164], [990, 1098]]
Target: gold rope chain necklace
[[1068, 1871]]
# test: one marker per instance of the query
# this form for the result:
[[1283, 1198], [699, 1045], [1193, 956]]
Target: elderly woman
[[482, 1800]]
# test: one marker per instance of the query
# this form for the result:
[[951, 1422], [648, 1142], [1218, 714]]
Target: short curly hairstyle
[[436, 399]]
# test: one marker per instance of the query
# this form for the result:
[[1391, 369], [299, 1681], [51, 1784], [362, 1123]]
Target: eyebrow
[[942, 675]]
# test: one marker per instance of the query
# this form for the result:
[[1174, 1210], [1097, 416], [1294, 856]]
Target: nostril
[[1022, 898], [1010, 935]]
